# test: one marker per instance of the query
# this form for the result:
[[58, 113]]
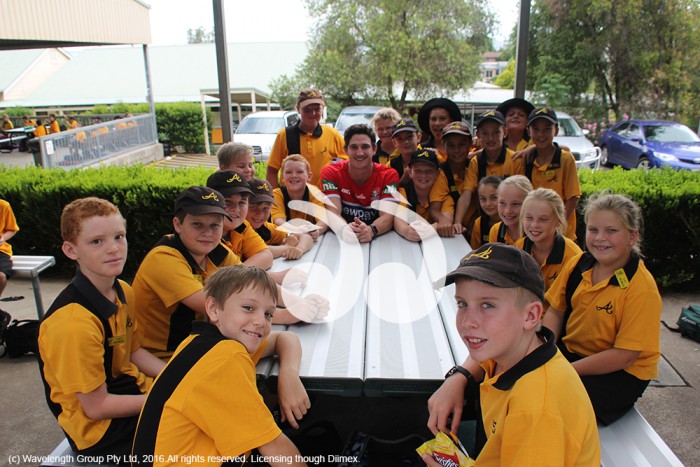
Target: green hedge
[[145, 195], [670, 202]]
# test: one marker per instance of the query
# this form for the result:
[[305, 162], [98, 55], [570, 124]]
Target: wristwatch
[[375, 231], [460, 369]]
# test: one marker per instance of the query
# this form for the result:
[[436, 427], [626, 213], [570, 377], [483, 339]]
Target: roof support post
[[222, 66], [149, 88], [521, 52], [206, 125]]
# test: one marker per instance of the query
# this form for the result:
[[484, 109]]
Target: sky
[[265, 20]]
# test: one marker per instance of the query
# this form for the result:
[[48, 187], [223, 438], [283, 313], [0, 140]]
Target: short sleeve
[[279, 150]]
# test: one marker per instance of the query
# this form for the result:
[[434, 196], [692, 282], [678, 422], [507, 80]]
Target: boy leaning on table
[[94, 370], [169, 283], [205, 407], [534, 408]]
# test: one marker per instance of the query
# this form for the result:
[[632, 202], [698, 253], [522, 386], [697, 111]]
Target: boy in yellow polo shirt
[[238, 235], [288, 245], [93, 367], [205, 406], [493, 159], [534, 408], [8, 229], [551, 166]]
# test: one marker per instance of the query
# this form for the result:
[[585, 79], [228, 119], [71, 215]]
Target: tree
[[635, 56], [199, 36], [382, 50], [506, 79]]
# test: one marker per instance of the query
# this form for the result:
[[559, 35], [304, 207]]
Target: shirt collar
[[531, 362], [100, 304], [318, 131]]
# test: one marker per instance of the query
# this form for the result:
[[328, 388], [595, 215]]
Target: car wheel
[[643, 163], [604, 157]]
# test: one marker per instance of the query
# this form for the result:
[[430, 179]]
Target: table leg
[[36, 285]]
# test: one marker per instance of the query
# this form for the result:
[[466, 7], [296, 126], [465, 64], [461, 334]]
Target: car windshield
[[568, 127], [346, 120], [264, 125], [670, 134]]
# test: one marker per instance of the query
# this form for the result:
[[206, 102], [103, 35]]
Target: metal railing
[[89, 144]]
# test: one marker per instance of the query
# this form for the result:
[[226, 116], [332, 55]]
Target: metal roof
[[14, 63], [106, 75]]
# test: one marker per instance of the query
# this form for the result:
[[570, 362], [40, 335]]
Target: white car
[[260, 129], [571, 136]]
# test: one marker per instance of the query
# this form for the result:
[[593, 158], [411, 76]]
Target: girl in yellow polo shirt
[[543, 223], [605, 309]]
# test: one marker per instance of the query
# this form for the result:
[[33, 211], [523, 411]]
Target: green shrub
[[670, 202], [145, 195]]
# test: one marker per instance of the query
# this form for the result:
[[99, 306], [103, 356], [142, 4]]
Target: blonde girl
[[605, 308], [511, 194], [543, 225]]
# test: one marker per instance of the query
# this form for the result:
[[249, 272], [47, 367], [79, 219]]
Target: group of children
[[198, 319]]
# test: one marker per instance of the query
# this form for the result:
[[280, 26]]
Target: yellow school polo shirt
[[283, 211], [499, 233], [538, 413], [214, 411], [319, 148], [504, 166], [244, 241], [166, 277], [562, 251], [72, 350], [7, 222], [620, 312]]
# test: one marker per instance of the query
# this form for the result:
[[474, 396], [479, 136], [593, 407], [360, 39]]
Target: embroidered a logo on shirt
[[493, 426], [608, 308]]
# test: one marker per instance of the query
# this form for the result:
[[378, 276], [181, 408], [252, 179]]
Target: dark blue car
[[650, 143]]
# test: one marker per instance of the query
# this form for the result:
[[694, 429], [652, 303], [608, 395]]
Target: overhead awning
[[29, 24]]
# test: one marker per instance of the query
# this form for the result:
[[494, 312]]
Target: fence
[[87, 145]]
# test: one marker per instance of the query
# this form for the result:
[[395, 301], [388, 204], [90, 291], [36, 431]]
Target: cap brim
[[487, 276], [415, 130], [306, 102], [262, 199], [457, 132], [234, 191], [545, 117], [493, 119], [199, 210]]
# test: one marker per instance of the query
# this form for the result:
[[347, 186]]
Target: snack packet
[[447, 451]]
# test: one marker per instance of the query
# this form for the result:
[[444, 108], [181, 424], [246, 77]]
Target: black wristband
[[460, 369], [375, 230]]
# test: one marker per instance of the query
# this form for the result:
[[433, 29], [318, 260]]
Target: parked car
[[259, 130], [571, 136], [650, 143], [355, 114]]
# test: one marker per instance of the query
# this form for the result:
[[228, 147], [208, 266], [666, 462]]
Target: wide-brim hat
[[504, 106], [447, 104]]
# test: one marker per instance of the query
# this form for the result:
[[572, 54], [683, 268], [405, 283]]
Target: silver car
[[260, 129], [570, 135]]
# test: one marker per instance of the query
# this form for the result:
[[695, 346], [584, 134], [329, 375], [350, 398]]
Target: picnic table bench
[[389, 333], [31, 267]]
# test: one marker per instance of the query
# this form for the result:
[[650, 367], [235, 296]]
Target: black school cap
[[198, 200], [500, 265]]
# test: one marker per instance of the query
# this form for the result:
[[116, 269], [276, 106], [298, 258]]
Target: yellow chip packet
[[446, 451]]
